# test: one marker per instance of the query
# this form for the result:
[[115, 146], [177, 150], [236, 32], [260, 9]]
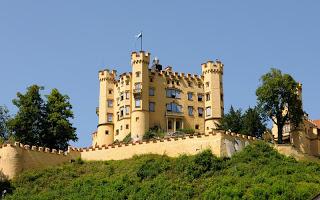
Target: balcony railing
[[177, 114]]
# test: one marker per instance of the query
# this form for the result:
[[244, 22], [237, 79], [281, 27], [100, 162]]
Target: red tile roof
[[317, 122]]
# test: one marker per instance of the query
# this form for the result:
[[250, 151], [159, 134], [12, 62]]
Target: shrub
[[127, 139], [187, 130], [152, 167], [203, 163], [154, 132]]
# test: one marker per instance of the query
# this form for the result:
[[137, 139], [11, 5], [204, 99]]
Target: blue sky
[[63, 44]]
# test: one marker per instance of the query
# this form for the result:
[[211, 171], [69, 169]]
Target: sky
[[63, 44]]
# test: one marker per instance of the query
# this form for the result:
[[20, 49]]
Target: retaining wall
[[15, 158], [221, 144]]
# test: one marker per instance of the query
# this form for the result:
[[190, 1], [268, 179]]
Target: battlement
[[17, 157], [166, 139], [220, 143], [107, 75], [212, 67], [140, 57]]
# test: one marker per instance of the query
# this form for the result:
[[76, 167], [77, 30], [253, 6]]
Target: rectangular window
[[127, 95], [189, 84], [190, 110], [110, 91], [207, 84], [190, 96], [208, 111], [173, 107], [137, 86], [200, 97], [137, 103], [200, 112], [109, 116], [208, 97], [151, 79], [138, 74], [117, 132], [127, 126], [106, 132], [121, 96], [197, 126], [151, 91], [127, 82], [110, 103], [121, 111], [151, 106], [173, 93], [127, 110]]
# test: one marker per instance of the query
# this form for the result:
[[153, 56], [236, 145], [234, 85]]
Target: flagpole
[[141, 42]]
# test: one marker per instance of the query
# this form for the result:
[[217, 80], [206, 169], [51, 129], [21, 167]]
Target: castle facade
[[152, 97]]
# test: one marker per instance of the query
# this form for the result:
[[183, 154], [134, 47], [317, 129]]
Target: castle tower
[[105, 133], [213, 93], [140, 91]]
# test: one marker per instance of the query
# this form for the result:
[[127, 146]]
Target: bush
[[127, 139], [154, 132], [187, 130], [152, 167], [203, 163]]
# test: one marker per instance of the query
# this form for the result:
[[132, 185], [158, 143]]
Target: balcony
[[174, 114]]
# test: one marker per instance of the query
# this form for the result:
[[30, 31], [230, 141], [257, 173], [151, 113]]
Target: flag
[[139, 35]]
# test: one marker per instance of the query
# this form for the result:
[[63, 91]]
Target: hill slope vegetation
[[257, 172]]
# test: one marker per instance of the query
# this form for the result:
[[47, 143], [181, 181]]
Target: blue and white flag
[[139, 35]]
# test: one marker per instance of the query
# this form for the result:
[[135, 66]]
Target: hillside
[[258, 172]]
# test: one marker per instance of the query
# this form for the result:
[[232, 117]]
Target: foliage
[[257, 172], [251, 122], [43, 123], [127, 139], [154, 133], [4, 118], [278, 98], [60, 129], [232, 121], [187, 130], [28, 125]]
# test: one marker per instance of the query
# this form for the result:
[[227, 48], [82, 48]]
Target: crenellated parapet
[[141, 57], [17, 157], [107, 75], [167, 139], [212, 67], [220, 143]]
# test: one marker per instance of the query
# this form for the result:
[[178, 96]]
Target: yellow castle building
[[152, 97]]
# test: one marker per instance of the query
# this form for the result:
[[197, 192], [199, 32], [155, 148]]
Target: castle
[[152, 97], [157, 98]]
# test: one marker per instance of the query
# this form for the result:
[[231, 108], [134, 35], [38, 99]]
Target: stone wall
[[15, 158], [221, 144]]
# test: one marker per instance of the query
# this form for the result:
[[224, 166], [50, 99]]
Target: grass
[[257, 172]]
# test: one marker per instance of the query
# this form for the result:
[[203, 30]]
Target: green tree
[[29, 125], [232, 121], [253, 123], [277, 96], [4, 118], [43, 123], [60, 129]]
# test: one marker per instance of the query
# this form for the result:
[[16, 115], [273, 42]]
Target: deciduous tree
[[279, 100]]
